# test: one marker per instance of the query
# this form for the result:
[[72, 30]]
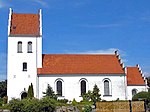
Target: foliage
[[87, 108], [49, 92], [5, 99], [3, 88], [93, 96], [1, 101], [141, 96], [32, 105], [148, 81], [63, 101], [74, 102], [15, 105], [148, 105], [47, 105], [30, 91]]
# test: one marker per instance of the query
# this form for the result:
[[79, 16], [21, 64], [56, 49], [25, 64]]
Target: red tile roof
[[25, 24], [80, 64], [134, 76]]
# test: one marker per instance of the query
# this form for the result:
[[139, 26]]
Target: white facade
[[138, 89], [71, 85], [19, 79]]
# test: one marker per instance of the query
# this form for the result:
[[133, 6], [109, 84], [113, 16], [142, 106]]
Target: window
[[106, 87], [59, 88], [83, 87], [29, 47], [134, 92], [19, 47], [24, 66]]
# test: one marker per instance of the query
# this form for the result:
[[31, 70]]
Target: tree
[[3, 88], [93, 96], [30, 91], [148, 81], [49, 92], [141, 96]]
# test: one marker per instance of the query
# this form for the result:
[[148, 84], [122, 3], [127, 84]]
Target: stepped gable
[[24, 24], [135, 76], [81, 64]]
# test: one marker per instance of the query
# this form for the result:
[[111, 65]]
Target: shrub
[[87, 108], [63, 101], [30, 91], [1, 101], [49, 92], [5, 98], [140, 96], [74, 102], [47, 105], [93, 96], [32, 105], [15, 105]]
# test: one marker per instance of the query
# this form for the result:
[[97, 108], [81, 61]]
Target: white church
[[70, 75]]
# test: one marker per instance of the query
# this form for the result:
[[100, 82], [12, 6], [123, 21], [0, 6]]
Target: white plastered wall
[[19, 80], [139, 88], [71, 85]]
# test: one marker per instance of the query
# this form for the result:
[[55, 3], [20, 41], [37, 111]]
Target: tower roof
[[25, 24]]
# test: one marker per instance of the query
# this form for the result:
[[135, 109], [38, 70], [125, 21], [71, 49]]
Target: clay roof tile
[[80, 64]]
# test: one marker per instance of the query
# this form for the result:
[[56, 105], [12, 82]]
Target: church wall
[[71, 85], [138, 88], [19, 80]]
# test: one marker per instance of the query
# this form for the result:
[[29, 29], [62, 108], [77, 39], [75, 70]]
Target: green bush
[[63, 101], [32, 105], [148, 105], [47, 105], [1, 101], [87, 108], [15, 105], [74, 102], [140, 96], [5, 99]]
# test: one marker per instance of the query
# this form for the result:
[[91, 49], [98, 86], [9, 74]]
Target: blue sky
[[87, 26]]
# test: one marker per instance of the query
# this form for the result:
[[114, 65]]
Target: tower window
[[29, 47], [19, 47], [24, 66]]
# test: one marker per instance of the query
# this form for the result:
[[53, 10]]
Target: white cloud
[[146, 74], [102, 51], [41, 2], [105, 51]]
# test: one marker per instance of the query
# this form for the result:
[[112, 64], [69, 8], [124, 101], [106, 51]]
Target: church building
[[69, 75]]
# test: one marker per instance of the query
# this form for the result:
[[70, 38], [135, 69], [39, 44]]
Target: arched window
[[29, 47], [59, 88], [24, 66], [134, 92], [24, 95], [83, 87], [106, 87], [19, 47]]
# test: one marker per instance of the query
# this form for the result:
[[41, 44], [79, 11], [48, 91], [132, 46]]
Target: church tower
[[24, 53]]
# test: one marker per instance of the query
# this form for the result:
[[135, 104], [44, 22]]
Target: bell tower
[[24, 53]]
